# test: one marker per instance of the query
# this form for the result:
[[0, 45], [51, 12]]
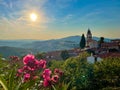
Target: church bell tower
[[89, 37]]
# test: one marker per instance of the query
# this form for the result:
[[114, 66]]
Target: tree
[[82, 42], [40, 55], [107, 73], [101, 41], [64, 54], [78, 72]]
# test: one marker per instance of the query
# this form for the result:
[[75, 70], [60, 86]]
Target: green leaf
[[11, 80], [3, 83], [62, 86], [53, 87], [66, 86], [27, 85], [18, 86]]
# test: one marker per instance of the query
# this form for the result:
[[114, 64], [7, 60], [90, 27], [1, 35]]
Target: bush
[[78, 72], [55, 64], [64, 54], [107, 72], [32, 75]]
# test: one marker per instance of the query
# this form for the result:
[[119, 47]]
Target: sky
[[59, 18]]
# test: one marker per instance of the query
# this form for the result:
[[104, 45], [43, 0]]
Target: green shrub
[[78, 72], [107, 73]]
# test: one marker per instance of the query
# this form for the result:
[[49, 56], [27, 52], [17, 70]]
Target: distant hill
[[15, 43], [6, 51], [21, 47], [55, 44], [58, 44]]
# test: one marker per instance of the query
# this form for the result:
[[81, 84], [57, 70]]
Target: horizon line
[[58, 38]]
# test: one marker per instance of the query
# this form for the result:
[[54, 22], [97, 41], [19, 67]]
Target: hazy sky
[[59, 18]]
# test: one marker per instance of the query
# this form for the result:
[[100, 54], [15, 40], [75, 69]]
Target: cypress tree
[[100, 41], [82, 42]]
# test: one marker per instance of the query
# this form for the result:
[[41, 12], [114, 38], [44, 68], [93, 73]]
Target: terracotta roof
[[105, 55], [91, 40], [109, 44], [116, 40]]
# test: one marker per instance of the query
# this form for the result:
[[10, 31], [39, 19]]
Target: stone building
[[90, 43]]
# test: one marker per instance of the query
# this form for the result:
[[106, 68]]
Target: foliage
[[71, 74], [82, 42], [78, 71], [40, 55], [101, 41], [12, 83], [32, 75], [111, 88], [64, 54], [92, 76], [107, 72], [55, 64]]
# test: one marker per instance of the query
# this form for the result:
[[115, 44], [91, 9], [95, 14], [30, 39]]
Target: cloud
[[15, 20], [67, 19], [21, 11], [7, 4], [64, 3]]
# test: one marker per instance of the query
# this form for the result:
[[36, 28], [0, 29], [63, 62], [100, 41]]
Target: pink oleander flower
[[26, 77], [25, 68], [42, 64], [14, 57], [61, 73], [46, 74], [56, 71], [18, 74], [20, 70], [55, 78], [28, 58], [46, 83], [35, 77]]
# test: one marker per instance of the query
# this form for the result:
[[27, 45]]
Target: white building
[[92, 59]]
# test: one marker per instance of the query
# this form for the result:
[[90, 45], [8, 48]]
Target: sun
[[33, 17]]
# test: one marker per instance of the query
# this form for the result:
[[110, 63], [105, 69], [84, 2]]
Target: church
[[90, 43]]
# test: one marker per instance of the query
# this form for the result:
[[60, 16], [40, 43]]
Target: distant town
[[98, 49]]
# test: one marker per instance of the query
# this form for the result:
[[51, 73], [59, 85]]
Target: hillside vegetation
[[77, 74]]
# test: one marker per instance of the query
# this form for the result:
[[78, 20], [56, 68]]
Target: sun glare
[[33, 17]]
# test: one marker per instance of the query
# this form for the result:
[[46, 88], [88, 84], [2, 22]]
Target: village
[[98, 52]]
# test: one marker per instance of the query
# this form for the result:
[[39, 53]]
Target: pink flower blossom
[[46, 74], [15, 58], [28, 58], [56, 71], [25, 68], [46, 83], [61, 73], [35, 77], [55, 78], [20, 70], [18, 74], [42, 64], [26, 77]]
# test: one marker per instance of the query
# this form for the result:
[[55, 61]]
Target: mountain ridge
[[35, 46]]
